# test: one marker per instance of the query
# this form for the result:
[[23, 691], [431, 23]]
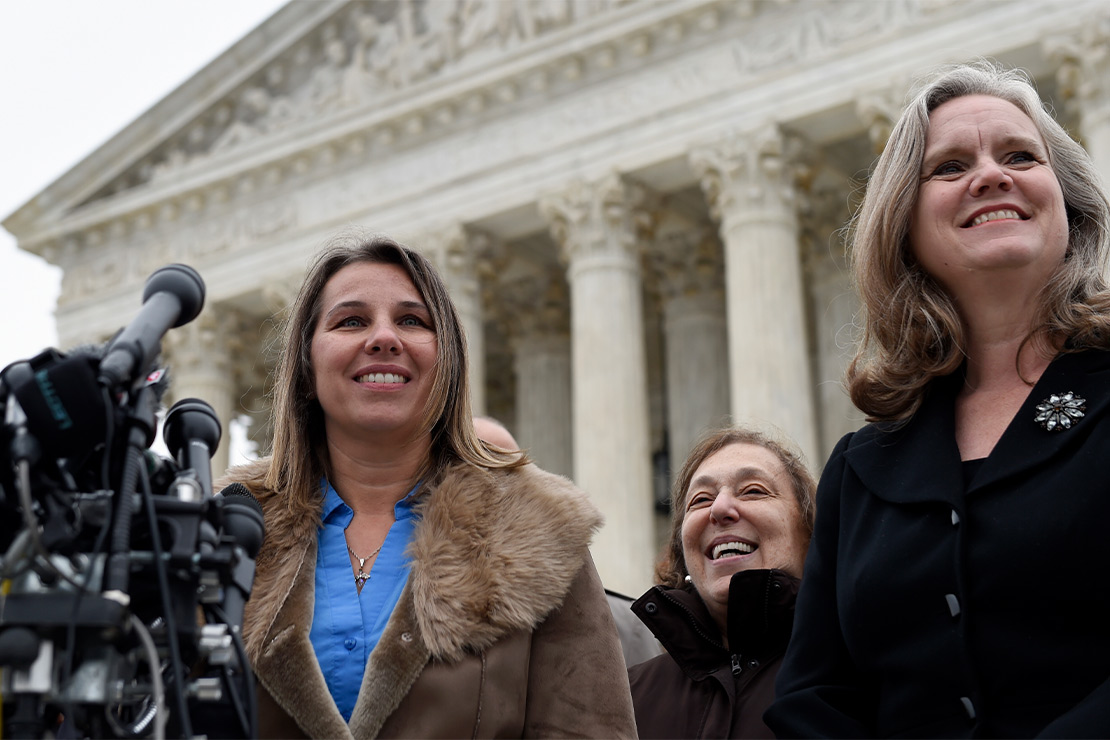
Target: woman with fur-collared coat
[[414, 582]]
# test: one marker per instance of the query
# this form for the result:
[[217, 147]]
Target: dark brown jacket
[[699, 688], [501, 631]]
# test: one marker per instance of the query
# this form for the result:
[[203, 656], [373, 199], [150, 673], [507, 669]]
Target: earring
[[689, 578]]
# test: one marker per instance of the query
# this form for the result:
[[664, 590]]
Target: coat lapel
[[919, 461], [395, 664], [286, 665], [495, 552], [1025, 444]]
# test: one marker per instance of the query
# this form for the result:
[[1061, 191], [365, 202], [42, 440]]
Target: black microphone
[[245, 526], [63, 404], [174, 296], [192, 434]]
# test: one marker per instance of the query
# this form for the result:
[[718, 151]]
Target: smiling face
[[989, 201], [741, 514], [373, 353]]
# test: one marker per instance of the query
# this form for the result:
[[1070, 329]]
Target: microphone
[[63, 404], [173, 296], [245, 526], [192, 433]]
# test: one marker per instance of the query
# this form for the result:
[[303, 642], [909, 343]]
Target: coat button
[[650, 607], [953, 604], [350, 643], [406, 637], [955, 518], [968, 707], [753, 664], [776, 586]]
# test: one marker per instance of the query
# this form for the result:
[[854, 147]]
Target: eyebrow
[[745, 473], [410, 305]]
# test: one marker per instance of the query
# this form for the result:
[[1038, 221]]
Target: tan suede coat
[[501, 631]]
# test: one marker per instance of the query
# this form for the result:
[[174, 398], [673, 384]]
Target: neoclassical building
[[636, 204]]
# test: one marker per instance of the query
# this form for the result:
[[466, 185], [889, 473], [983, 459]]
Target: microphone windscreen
[[64, 405], [242, 517]]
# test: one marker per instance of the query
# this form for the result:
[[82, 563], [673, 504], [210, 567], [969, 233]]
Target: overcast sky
[[72, 74]]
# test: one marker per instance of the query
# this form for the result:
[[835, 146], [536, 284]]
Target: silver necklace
[[362, 576]]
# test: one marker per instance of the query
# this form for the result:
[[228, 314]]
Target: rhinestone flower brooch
[[1059, 411]]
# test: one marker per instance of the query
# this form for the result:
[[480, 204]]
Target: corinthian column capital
[[208, 343], [687, 262], [600, 218], [1083, 69], [879, 109], [748, 171]]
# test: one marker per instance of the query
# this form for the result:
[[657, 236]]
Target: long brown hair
[[671, 570], [300, 456], [912, 329]]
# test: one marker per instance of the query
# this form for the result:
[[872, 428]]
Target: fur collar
[[495, 551]]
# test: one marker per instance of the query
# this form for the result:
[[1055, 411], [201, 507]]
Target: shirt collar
[[335, 506]]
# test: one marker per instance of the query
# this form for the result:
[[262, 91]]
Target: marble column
[[540, 328], [260, 358], [687, 260], [750, 183], [1083, 81], [455, 252], [598, 226], [834, 309], [203, 359]]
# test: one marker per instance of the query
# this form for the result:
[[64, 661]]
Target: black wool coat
[[931, 608], [698, 688]]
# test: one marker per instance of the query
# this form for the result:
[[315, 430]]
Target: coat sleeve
[[819, 691], [1089, 718], [577, 681]]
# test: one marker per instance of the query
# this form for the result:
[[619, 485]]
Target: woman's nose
[[725, 508], [383, 337], [989, 174]]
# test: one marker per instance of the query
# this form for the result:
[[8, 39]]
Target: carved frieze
[[373, 50]]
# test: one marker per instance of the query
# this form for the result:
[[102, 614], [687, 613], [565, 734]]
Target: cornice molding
[[611, 39]]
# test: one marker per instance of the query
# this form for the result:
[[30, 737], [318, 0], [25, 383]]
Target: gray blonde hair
[[912, 329]]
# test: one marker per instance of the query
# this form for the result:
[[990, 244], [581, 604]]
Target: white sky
[[72, 74]]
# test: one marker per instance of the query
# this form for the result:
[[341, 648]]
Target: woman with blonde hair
[[955, 584], [414, 581]]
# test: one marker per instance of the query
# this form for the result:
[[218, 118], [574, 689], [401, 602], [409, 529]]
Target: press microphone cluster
[[125, 578]]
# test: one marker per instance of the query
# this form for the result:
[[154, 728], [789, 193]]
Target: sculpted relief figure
[[249, 119], [482, 20], [390, 53], [327, 88]]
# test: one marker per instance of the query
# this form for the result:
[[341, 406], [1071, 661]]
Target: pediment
[[325, 85], [309, 64]]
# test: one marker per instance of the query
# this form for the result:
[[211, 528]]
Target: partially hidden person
[[742, 513], [637, 642]]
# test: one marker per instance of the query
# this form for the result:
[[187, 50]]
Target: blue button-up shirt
[[346, 625]]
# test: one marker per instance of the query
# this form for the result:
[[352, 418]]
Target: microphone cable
[[167, 607]]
